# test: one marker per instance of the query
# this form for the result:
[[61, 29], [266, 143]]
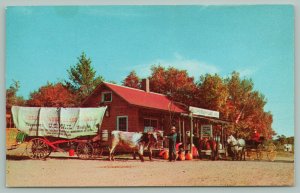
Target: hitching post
[[191, 133]]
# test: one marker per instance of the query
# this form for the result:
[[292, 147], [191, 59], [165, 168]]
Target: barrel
[[166, 155], [188, 156], [104, 135], [71, 152]]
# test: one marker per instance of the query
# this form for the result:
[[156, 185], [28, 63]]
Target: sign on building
[[204, 112], [206, 131]]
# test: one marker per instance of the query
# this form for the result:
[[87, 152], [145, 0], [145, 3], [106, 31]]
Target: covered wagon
[[50, 129]]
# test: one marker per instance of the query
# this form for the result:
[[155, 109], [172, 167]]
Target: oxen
[[138, 142]]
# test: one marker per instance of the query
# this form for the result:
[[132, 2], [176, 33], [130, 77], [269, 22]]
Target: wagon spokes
[[37, 148], [84, 150]]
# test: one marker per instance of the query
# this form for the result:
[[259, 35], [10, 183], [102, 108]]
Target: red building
[[132, 109], [137, 110]]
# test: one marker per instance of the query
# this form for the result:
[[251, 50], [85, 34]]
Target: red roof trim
[[141, 98], [140, 90], [138, 97]]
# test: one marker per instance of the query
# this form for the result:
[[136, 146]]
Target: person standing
[[255, 138], [172, 143], [196, 142]]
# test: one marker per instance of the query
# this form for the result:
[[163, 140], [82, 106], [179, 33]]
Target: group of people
[[172, 136]]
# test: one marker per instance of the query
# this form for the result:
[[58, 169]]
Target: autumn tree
[[233, 97], [132, 80], [52, 95], [175, 83], [247, 108], [82, 78], [12, 98], [212, 93]]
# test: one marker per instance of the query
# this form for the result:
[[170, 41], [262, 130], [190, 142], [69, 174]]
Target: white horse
[[237, 147]]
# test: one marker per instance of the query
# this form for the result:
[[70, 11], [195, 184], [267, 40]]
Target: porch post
[[179, 129], [197, 128], [183, 134], [191, 133], [222, 136]]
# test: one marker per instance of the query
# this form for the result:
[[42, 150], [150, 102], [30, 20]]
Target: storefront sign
[[206, 131], [204, 112]]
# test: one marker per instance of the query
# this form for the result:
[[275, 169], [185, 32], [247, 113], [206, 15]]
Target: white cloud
[[194, 67], [247, 72]]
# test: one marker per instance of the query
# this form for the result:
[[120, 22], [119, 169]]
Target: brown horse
[[209, 144]]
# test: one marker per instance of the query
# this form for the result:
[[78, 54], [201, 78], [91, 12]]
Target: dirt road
[[61, 171]]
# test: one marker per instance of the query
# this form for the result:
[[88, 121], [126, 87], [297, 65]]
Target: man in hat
[[172, 143], [255, 138]]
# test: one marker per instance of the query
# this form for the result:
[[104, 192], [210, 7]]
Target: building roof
[[144, 99]]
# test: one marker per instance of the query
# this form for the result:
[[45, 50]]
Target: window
[[150, 124], [122, 123], [106, 97]]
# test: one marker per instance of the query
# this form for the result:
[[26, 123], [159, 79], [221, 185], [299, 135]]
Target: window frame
[[122, 116], [103, 98], [151, 119]]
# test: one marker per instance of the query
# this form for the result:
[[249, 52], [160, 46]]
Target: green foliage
[[281, 140], [82, 78], [113, 82], [212, 93], [12, 98], [290, 140]]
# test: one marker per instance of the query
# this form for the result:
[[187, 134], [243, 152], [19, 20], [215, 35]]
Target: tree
[[174, 83], [233, 97], [132, 80], [82, 78], [290, 140], [282, 139], [52, 95], [212, 93], [12, 98], [247, 108]]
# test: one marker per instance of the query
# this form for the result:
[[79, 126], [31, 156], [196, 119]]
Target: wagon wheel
[[84, 150], [271, 155], [259, 152], [271, 147], [250, 154], [37, 148]]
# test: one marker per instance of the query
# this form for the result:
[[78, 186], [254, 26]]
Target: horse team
[[139, 142]]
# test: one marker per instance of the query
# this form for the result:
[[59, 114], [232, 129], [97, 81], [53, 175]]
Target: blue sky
[[257, 41]]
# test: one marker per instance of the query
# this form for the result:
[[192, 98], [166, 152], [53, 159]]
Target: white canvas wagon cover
[[58, 122]]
